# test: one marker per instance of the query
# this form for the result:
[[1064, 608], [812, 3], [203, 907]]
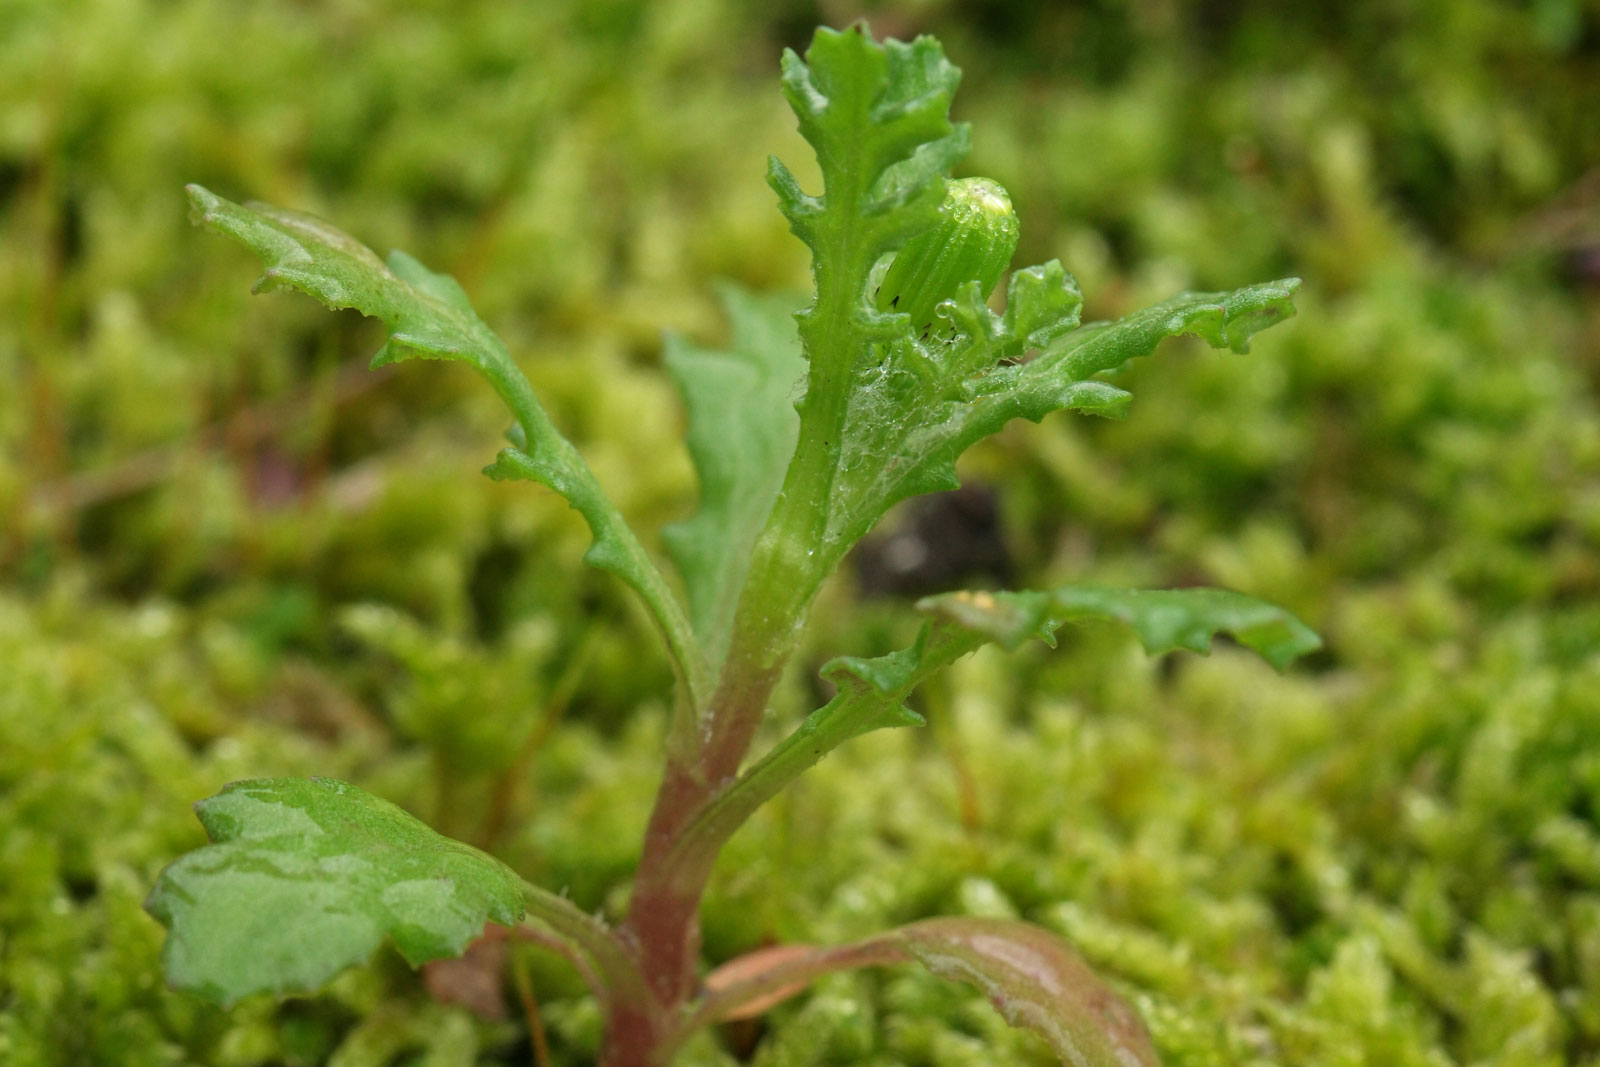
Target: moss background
[[226, 549]]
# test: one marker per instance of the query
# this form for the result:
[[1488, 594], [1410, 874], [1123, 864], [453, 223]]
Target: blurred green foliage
[[227, 550]]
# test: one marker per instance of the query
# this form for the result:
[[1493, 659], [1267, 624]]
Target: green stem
[[793, 556], [856, 710], [784, 574]]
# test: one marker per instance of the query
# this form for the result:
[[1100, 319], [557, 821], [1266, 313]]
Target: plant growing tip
[[897, 379], [972, 242]]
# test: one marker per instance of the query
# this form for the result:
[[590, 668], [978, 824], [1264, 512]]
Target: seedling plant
[[899, 366]]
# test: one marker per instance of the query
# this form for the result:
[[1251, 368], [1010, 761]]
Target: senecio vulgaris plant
[[903, 366]]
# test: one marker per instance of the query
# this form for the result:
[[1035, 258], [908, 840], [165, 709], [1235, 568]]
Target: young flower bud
[[972, 241]]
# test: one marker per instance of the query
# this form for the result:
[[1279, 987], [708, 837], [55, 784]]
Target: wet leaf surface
[[308, 876]]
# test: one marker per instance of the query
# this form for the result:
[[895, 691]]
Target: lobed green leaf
[[1164, 619], [429, 317], [428, 314], [306, 877], [877, 116], [911, 417]]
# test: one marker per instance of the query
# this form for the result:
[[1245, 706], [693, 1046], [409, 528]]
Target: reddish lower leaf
[[744, 971], [1032, 977], [1036, 981]]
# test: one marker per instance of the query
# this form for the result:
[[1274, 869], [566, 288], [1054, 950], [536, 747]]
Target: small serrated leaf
[[877, 116], [1042, 303], [1164, 619], [1222, 320], [306, 877], [1036, 981], [884, 458]]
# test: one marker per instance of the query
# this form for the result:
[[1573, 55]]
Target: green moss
[[1392, 857]]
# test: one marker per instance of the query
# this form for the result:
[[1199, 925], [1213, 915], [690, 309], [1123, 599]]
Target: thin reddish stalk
[[788, 975]]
